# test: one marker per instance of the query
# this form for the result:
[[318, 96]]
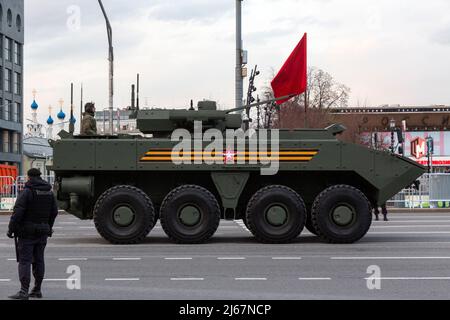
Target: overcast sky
[[386, 51]]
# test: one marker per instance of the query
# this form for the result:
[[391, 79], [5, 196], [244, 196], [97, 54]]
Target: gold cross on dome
[[61, 102], [50, 109], [34, 94]]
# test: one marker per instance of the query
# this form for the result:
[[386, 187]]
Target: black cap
[[34, 173], [89, 107]]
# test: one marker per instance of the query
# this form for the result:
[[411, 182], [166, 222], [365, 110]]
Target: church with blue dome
[[37, 152]]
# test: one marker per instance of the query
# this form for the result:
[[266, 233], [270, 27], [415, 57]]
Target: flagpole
[[306, 107], [306, 90]]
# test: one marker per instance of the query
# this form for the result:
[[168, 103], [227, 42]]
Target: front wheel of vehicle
[[341, 214]]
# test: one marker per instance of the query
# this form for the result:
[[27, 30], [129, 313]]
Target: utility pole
[[137, 93], [81, 109], [111, 70], [240, 57], [72, 119]]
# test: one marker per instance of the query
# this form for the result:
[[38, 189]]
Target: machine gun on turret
[[250, 98]]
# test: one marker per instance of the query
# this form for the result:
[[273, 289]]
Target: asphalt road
[[411, 254]]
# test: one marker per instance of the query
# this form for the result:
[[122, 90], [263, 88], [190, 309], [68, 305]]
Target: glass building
[[11, 83]]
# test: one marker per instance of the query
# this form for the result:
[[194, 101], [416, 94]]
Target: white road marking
[[425, 216], [66, 223], [250, 279], [412, 221], [122, 279], [390, 258], [15, 260], [5, 280], [414, 226], [409, 278], [72, 259], [314, 279], [231, 258], [187, 279], [187, 258], [127, 259], [86, 227], [412, 232], [286, 258]]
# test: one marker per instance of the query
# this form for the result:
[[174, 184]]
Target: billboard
[[417, 151]]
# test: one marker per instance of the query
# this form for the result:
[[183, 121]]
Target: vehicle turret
[[162, 122]]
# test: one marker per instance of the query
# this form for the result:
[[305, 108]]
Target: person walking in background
[[383, 211], [31, 224]]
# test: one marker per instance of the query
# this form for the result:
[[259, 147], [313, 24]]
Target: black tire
[[140, 213], [292, 220], [207, 209], [341, 227], [309, 225]]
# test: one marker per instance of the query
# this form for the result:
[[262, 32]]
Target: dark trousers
[[383, 211], [31, 253]]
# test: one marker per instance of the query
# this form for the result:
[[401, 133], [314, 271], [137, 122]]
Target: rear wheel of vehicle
[[276, 214], [124, 215], [341, 214], [190, 214]]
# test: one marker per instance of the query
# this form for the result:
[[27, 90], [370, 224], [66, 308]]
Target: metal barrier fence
[[433, 192], [22, 180], [10, 188], [8, 193]]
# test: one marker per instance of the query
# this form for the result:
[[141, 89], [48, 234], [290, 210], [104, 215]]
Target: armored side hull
[[126, 184]]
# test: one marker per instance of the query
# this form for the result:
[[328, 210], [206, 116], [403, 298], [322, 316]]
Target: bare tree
[[323, 93]]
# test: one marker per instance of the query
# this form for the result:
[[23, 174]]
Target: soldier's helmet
[[89, 108]]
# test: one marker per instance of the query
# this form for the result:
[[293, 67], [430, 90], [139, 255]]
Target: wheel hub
[[277, 215], [123, 216], [190, 216], [343, 215]]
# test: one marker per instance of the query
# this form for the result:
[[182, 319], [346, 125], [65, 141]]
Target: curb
[[9, 213], [419, 210]]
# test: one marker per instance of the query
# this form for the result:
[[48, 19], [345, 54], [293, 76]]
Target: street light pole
[[239, 56], [111, 70], [392, 125]]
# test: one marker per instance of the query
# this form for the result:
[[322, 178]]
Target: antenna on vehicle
[[137, 93]]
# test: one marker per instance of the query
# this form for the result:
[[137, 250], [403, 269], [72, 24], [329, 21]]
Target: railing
[[10, 188], [8, 193], [433, 192]]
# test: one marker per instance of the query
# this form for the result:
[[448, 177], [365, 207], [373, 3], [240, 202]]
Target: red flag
[[292, 79]]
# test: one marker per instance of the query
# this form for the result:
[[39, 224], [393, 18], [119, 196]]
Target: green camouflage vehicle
[[126, 183]]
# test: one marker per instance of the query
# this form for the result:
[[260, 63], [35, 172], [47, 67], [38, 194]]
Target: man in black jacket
[[34, 214]]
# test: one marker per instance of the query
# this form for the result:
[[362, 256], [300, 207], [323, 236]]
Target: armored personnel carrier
[[125, 183]]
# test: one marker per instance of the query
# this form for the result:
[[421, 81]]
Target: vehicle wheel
[[341, 214], [309, 224], [276, 214], [190, 214], [124, 215]]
